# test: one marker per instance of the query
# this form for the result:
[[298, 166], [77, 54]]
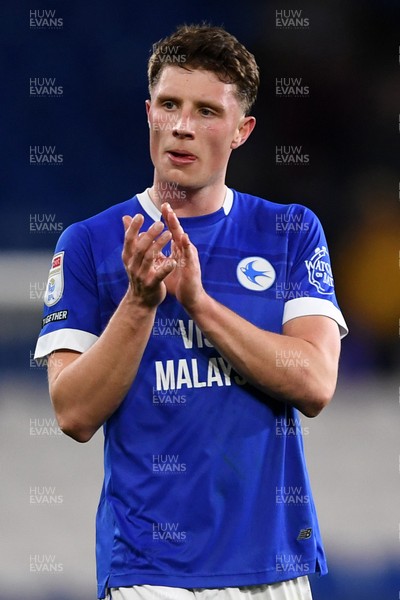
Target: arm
[[87, 388], [299, 366]]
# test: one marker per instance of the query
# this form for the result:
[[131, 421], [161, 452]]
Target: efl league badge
[[55, 284]]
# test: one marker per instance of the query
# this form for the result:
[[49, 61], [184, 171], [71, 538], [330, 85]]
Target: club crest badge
[[255, 273], [55, 283], [320, 272]]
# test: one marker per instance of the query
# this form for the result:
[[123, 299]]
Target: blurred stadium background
[[343, 59]]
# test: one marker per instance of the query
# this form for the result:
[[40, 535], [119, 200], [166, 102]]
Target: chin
[[176, 178]]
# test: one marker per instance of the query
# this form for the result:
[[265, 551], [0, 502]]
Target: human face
[[195, 122]]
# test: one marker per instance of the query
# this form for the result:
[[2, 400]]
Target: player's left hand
[[185, 280]]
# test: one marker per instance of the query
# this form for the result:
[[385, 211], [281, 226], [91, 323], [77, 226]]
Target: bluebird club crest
[[255, 273], [320, 272]]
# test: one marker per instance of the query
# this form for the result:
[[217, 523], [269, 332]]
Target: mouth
[[181, 157]]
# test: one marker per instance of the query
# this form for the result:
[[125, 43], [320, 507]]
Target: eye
[[207, 112], [169, 105]]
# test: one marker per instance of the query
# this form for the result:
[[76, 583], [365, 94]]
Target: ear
[[148, 106], [245, 127]]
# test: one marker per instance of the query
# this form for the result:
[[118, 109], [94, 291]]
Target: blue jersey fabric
[[205, 479]]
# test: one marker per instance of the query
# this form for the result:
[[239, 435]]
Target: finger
[[127, 220], [188, 250], [172, 221], [147, 249], [164, 267], [155, 250], [131, 227], [162, 240], [165, 209], [163, 264], [147, 238], [133, 235], [185, 241]]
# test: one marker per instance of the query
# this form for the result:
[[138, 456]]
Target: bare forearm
[[299, 366], [88, 390], [287, 368]]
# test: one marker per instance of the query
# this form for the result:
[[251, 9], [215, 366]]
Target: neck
[[188, 202]]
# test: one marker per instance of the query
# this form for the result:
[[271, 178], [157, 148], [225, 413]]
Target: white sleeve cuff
[[70, 339], [306, 306]]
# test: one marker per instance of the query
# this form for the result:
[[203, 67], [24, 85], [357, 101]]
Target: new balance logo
[[305, 534]]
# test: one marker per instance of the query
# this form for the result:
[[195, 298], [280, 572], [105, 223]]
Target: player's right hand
[[144, 262]]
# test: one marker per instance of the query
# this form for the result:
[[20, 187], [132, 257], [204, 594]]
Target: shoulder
[[278, 212], [111, 215], [106, 224]]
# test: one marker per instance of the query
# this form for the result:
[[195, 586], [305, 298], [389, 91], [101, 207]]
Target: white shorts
[[294, 589]]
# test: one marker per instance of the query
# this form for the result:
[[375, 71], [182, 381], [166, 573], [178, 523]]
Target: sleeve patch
[[55, 283], [60, 315], [320, 271]]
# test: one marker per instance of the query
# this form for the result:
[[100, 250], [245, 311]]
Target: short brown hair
[[211, 49]]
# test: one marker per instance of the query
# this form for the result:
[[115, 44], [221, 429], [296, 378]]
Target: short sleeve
[[71, 316], [310, 272]]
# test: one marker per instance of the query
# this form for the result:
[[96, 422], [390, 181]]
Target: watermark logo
[[37, 290], [169, 191], [45, 156], [45, 19], [45, 87], [163, 121], [290, 290], [168, 464], [44, 563], [169, 398], [168, 54], [167, 328], [291, 19], [44, 223], [287, 359], [168, 532], [44, 495], [290, 426], [161, 258], [291, 563], [320, 271], [291, 495], [291, 156], [45, 427], [291, 87], [40, 363], [293, 222], [44, 362]]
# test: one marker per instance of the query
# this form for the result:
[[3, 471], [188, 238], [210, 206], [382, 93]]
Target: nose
[[183, 127]]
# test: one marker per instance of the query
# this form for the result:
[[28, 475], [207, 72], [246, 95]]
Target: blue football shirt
[[205, 480]]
